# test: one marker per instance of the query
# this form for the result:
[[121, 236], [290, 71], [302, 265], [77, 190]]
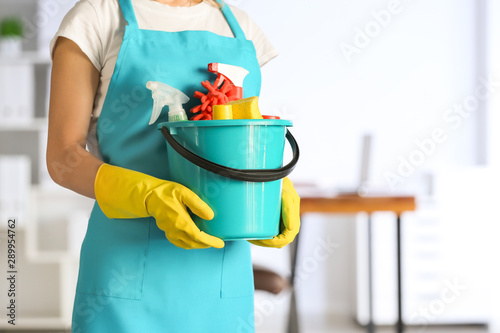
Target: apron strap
[[128, 13], [233, 23]]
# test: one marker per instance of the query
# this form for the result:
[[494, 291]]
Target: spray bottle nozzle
[[163, 94], [234, 74]]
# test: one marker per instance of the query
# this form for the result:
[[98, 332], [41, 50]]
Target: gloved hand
[[123, 193], [290, 218]]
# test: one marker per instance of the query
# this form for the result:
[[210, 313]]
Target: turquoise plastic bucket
[[235, 166]]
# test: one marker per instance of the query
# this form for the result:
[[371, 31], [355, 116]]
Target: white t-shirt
[[98, 26]]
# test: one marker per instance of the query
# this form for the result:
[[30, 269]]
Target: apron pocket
[[237, 273], [113, 256]]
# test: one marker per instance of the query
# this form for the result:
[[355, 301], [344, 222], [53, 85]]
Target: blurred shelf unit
[[46, 268], [50, 221], [26, 58], [48, 234], [24, 109], [35, 124], [24, 84]]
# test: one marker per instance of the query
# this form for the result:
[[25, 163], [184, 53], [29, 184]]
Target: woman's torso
[[104, 20]]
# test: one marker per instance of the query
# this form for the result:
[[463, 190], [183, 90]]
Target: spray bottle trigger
[[219, 80], [157, 107]]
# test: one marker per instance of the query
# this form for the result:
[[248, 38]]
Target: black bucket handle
[[249, 175]]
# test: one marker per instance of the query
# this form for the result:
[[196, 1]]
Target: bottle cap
[[220, 112]]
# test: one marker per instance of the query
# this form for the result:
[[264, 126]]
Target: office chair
[[268, 280]]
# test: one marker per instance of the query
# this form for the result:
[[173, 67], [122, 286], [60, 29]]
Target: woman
[[145, 266]]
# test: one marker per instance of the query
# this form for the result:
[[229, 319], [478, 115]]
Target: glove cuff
[[122, 193]]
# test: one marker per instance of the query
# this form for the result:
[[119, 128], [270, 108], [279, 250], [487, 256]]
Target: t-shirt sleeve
[[265, 50], [81, 25]]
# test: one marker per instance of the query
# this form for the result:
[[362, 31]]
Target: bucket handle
[[249, 175]]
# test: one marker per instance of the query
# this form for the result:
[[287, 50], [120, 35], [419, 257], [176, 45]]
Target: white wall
[[494, 159], [494, 114], [403, 83], [399, 86]]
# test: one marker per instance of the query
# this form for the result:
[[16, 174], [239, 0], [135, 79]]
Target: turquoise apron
[[131, 278]]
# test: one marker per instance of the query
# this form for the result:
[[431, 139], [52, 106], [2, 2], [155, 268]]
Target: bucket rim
[[226, 122]]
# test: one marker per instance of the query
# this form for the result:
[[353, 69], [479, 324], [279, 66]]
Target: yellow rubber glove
[[124, 194], [290, 218]]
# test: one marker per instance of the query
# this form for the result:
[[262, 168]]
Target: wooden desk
[[356, 204]]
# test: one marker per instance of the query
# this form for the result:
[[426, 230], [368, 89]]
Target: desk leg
[[293, 318], [370, 326], [399, 325]]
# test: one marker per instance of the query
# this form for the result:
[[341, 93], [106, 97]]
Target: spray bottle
[[231, 73], [163, 94]]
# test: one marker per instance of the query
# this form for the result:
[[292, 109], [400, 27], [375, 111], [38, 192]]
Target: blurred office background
[[420, 78]]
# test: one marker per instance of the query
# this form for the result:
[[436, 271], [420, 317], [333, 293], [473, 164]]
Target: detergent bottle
[[163, 94]]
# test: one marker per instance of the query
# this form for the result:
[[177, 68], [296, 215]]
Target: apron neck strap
[[128, 13], [231, 20]]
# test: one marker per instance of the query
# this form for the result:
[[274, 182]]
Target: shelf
[[36, 124], [26, 58]]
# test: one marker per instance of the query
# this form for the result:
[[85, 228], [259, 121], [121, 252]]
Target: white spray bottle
[[163, 94]]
